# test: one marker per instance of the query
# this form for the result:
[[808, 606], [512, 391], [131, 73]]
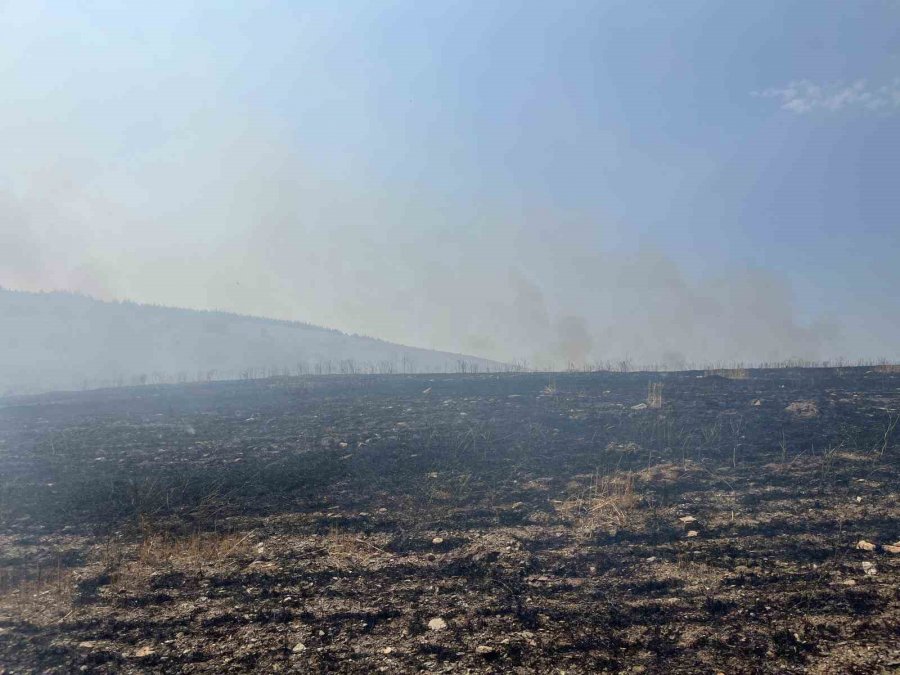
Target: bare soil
[[737, 522]]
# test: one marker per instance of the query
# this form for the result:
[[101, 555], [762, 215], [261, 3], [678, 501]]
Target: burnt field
[[728, 521]]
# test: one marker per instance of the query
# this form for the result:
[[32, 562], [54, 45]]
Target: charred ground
[[449, 523]]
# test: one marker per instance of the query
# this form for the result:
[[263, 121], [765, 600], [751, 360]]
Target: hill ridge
[[66, 340]]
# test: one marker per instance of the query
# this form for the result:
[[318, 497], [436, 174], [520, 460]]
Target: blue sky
[[416, 170]]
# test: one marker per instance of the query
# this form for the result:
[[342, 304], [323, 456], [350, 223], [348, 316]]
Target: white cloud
[[803, 96]]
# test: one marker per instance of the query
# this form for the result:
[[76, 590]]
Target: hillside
[[66, 341]]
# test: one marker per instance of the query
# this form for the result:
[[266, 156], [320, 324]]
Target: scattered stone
[[639, 406], [437, 541], [87, 644], [892, 548], [387, 650], [688, 519], [144, 651], [484, 650], [864, 545], [299, 647], [437, 623], [693, 533], [427, 391], [756, 402], [869, 569]]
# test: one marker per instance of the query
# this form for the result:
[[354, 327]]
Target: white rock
[[864, 545], [299, 647], [869, 569], [437, 541], [437, 623]]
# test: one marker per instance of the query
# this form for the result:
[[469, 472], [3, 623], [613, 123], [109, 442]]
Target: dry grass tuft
[[347, 551], [607, 503], [665, 473], [887, 368], [129, 565], [654, 395], [729, 373], [803, 409], [161, 549]]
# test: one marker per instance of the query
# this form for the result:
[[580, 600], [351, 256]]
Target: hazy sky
[[540, 180]]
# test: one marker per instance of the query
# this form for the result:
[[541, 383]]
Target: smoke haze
[[475, 197]]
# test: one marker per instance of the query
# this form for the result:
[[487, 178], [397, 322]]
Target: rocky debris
[[437, 541], [693, 533], [484, 650], [864, 545], [803, 409], [756, 402], [437, 623], [892, 548], [869, 568], [299, 647], [688, 519], [639, 406], [144, 651]]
